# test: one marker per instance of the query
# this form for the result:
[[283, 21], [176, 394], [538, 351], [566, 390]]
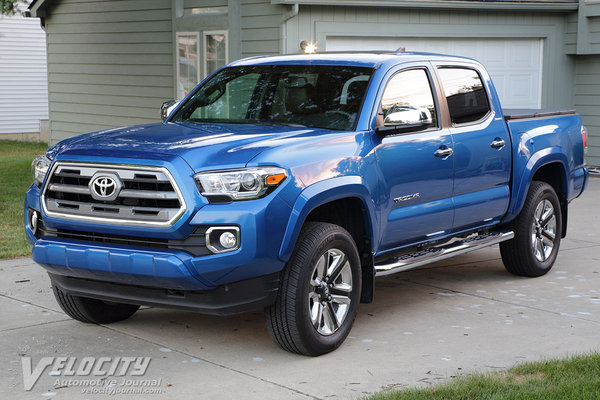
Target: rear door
[[416, 166], [482, 150]]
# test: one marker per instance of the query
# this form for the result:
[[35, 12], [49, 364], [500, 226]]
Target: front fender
[[321, 193], [521, 183]]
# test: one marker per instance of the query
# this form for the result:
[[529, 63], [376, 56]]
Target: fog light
[[221, 239], [33, 221], [228, 240]]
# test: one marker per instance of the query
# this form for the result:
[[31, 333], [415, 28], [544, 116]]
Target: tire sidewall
[[341, 240]]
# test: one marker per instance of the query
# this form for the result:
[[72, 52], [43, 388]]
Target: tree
[[10, 7]]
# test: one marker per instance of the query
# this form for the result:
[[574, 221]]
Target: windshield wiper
[[280, 124]]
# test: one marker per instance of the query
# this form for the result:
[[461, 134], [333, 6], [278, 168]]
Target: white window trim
[[198, 44], [204, 59]]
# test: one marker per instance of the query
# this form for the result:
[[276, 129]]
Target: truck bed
[[523, 113]]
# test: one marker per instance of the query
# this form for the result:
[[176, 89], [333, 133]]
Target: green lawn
[[15, 178], [575, 378]]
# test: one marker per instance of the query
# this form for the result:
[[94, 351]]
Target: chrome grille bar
[[146, 196]]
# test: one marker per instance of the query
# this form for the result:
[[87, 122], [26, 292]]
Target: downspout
[[283, 28]]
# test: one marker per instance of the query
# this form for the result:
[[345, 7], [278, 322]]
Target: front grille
[[131, 195], [194, 244]]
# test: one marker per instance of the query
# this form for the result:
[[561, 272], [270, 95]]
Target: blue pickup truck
[[290, 183]]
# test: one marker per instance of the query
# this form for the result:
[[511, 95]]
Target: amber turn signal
[[275, 179]]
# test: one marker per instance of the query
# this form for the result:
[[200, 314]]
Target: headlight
[[39, 168], [241, 184]]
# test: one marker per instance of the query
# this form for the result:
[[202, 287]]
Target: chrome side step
[[433, 254]]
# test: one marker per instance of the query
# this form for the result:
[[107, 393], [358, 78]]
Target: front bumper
[[228, 299]]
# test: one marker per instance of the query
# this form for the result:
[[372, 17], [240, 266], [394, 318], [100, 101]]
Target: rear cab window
[[465, 94]]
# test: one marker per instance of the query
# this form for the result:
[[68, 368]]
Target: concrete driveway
[[458, 316]]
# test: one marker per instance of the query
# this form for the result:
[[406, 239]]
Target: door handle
[[498, 143], [443, 152]]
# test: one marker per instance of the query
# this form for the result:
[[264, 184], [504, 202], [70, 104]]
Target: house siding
[[110, 64], [571, 34], [260, 25], [587, 102], [594, 34], [23, 80]]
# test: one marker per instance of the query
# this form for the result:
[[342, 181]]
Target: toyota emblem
[[105, 187]]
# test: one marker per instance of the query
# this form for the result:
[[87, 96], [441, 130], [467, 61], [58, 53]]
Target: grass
[[574, 378], [15, 178]]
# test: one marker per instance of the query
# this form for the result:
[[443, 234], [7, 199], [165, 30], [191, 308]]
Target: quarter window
[[409, 94], [465, 94]]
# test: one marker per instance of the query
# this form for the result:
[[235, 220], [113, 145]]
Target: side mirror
[[402, 119], [167, 107]]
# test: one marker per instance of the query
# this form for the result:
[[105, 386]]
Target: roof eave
[[37, 8], [555, 6]]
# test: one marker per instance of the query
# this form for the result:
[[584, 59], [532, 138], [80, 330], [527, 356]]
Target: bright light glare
[[310, 48]]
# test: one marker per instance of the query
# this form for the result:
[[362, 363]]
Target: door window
[[465, 94], [409, 94]]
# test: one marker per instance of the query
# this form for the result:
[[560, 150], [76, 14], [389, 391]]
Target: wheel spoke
[[550, 224], [319, 273], [341, 288], [329, 322], [333, 317], [548, 235], [336, 260], [342, 271], [336, 298], [316, 314], [547, 215], [539, 211], [540, 250]]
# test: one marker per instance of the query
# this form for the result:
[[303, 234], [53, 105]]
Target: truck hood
[[202, 146]]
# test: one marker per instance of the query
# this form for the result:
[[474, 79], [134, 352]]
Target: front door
[[416, 167]]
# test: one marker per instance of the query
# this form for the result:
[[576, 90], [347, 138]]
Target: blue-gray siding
[[587, 102], [110, 63]]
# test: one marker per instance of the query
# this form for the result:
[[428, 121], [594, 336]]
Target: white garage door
[[515, 65]]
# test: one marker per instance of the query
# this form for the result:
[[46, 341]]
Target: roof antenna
[[401, 50]]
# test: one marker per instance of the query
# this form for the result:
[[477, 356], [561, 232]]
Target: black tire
[[289, 320], [522, 255], [93, 311]]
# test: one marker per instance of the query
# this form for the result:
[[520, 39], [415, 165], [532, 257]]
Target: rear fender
[[521, 184]]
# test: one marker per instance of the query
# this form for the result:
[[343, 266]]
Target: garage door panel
[[519, 86], [494, 54], [515, 65]]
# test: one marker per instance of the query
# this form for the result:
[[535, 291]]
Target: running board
[[433, 254]]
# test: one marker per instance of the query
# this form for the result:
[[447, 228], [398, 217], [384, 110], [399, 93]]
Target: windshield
[[313, 96]]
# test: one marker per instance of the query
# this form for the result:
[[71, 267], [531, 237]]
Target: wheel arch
[[344, 201], [550, 166]]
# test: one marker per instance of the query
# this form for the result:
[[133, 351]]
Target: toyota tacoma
[[290, 183]]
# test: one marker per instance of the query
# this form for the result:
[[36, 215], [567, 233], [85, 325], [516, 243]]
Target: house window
[[206, 11], [215, 51], [188, 62]]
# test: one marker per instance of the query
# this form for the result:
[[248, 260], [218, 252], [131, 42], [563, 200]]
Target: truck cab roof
[[372, 59]]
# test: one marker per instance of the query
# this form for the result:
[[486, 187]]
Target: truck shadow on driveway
[[412, 298]]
